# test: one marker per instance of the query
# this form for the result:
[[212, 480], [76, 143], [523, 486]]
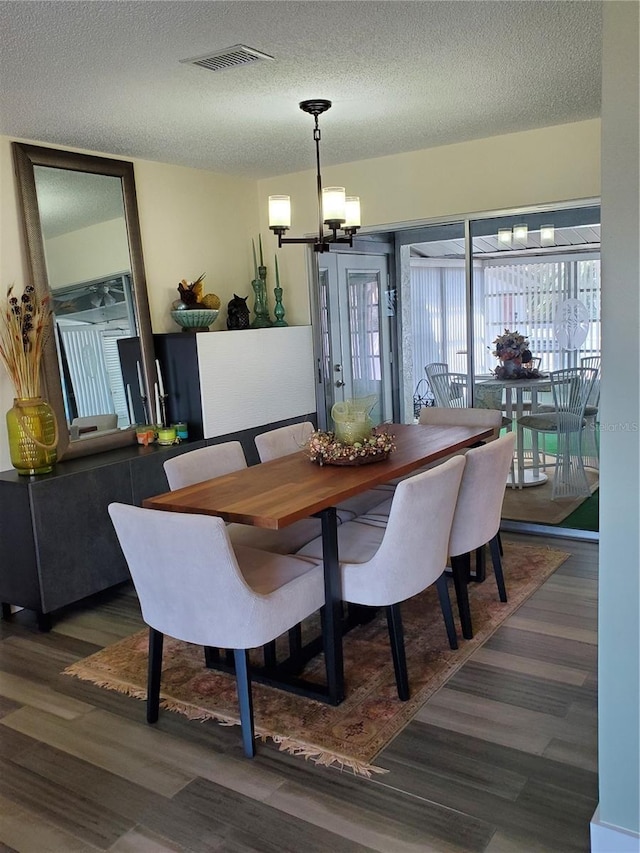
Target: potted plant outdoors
[[25, 323]]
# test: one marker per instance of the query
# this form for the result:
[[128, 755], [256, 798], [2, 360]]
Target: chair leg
[[396, 638], [459, 566], [481, 569], [211, 656], [154, 671], [269, 650], [447, 613], [295, 640], [497, 567], [500, 543], [243, 686]]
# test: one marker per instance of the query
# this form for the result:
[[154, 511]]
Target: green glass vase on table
[[25, 323]]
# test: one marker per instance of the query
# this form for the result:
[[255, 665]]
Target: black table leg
[[333, 607]]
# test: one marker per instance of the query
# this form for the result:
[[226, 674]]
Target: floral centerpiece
[[25, 323], [325, 449], [512, 349]]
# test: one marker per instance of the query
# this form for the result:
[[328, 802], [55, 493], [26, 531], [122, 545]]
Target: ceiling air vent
[[229, 57]]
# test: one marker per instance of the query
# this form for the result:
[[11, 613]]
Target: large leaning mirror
[[84, 249]]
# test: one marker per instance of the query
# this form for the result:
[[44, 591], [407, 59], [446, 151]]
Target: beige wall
[[551, 164], [194, 221]]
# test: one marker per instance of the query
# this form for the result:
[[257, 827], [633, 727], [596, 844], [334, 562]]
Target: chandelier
[[336, 211]]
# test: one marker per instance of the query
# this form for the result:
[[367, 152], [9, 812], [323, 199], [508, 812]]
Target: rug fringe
[[78, 671], [290, 745], [324, 758]]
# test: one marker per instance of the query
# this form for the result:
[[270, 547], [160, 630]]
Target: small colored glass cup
[[146, 434], [182, 430], [166, 435]]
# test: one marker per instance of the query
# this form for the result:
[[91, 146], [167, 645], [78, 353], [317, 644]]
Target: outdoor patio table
[[277, 493]]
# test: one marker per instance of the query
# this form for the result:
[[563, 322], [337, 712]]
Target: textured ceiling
[[107, 76]]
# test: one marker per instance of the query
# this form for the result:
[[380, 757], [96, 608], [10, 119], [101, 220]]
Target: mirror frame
[[27, 156]]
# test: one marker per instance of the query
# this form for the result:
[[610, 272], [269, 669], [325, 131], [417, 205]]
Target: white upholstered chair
[[195, 466], [382, 566], [282, 441], [451, 391], [195, 586], [436, 416], [477, 518], [489, 418], [205, 463]]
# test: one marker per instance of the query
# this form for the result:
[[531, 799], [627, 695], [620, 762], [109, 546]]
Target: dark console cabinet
[[57, 544]]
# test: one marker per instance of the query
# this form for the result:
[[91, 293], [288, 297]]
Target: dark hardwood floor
[[502, 758]]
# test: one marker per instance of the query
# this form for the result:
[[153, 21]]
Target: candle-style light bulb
[[333, 204], [279, 211], [352, 210]]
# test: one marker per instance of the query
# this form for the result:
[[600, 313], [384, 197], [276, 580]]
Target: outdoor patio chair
[[591, 450], [571, 388]]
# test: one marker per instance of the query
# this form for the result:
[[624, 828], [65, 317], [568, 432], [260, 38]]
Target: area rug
[[352, 734], [534, 504]]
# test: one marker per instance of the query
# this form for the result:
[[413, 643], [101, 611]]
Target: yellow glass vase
[[33, 436]]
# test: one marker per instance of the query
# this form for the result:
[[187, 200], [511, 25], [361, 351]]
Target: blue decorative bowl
[[195, 318]]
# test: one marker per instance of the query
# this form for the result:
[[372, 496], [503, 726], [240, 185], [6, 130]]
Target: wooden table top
[[277, 493]]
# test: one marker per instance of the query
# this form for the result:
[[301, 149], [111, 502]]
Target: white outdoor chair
[[195, 466], [434, 369], [477, 519], [383, 566], [195, 586], [591, 449], [571, 388], [449, 389]]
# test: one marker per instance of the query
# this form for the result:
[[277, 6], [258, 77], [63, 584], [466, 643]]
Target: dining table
[[282, 491], [514, 390]]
